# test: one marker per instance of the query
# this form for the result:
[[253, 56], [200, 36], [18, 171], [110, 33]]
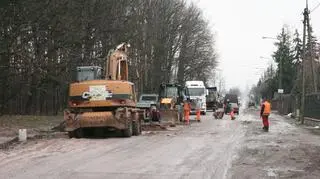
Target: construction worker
[[155, 114], [198, 109], [232, 114], [227, 107], [186, 109], [264, 114]]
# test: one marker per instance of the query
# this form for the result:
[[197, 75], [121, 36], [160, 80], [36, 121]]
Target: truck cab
[[171, 95], [212, 98], [147, 100], [197, 90]]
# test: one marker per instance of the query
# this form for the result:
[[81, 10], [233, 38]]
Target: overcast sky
[[239, 26]]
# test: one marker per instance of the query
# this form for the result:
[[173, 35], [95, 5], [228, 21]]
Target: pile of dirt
[[61, 127]]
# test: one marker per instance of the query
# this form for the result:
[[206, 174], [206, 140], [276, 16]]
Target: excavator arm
[[117, 63]]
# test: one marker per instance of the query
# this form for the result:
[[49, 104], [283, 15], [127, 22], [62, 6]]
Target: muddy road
[[210, 149]]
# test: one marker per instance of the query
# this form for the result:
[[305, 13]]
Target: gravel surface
[[210, 149], [286, 151]]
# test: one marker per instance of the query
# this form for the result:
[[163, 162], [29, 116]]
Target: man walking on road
[[264, 114]]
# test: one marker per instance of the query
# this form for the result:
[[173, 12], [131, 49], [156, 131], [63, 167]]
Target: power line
[[316, 7]]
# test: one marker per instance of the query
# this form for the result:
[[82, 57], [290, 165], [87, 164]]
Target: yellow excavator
[[171, 98], [103, 101]]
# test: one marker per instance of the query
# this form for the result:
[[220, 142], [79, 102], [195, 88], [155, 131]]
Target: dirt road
[[210, 149]]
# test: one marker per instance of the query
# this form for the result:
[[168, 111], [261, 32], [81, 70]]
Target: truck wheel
[[128, 132], [136, 125]]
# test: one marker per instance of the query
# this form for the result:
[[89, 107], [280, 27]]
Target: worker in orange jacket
[[232, 114], [186, 109], [264, 114]]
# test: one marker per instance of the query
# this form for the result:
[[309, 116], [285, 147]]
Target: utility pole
[[281, 65], [310, 55], [303, 71]]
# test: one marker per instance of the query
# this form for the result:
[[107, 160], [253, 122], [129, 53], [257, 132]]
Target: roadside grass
[[10, 125]]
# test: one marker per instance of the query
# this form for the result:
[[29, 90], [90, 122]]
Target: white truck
[[197, 90]]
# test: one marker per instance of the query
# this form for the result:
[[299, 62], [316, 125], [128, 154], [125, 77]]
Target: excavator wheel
[[79, 133], [71, 134], [136, 125], [128, 132]]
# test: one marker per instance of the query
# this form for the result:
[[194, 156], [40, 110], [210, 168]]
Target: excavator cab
[[170, 95], [85, 73]]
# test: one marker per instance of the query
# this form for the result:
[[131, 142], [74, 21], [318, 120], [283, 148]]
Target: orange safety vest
[[267, 108], [186, 106]]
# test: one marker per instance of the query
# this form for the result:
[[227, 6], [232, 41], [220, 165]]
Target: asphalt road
[[210, 149]]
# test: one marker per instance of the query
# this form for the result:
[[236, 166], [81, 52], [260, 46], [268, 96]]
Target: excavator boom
[[117, 63]]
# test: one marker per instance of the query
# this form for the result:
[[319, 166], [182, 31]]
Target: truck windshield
[[196, 91], [211, 96], [149, 98]]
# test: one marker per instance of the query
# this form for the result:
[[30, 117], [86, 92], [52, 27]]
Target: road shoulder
[[286, 151]]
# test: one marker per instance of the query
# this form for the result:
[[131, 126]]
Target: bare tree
[[41, 43]]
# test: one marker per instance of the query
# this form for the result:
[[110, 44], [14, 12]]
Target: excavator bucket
[[172, 116], [169, 116]]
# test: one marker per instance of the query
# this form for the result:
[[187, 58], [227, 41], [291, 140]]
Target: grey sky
[[239, 26]]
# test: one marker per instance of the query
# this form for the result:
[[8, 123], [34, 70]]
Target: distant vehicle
[[251, 104], [233, 98], [146, 101], [235, 108], [212, 98], [196, 90]]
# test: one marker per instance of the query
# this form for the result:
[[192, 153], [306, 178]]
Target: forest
[[42, 42]]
